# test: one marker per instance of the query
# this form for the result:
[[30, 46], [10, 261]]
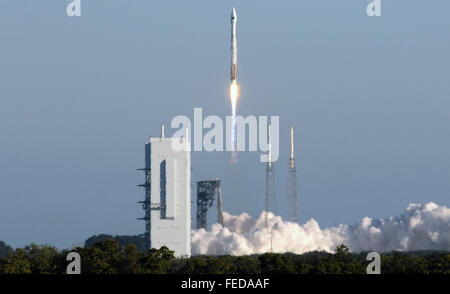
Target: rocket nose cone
[[233, 14]]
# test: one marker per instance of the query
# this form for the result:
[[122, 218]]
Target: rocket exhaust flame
[[234, 95]]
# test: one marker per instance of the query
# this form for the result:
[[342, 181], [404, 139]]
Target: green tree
[[103, 258], [273, 263], [17, 262], [123, 241], [245, 265], [342, 250], [157, 261], [42, 258], [4, 249], [130, 260]]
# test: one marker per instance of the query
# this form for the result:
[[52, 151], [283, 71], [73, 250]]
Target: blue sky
[[369, 99]]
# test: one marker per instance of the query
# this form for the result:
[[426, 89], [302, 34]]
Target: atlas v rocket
[[233, 46]]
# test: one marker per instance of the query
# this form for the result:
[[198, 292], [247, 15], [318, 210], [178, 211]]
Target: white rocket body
[[233, 46]]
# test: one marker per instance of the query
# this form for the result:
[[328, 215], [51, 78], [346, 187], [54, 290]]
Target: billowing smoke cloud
[[420, 227]]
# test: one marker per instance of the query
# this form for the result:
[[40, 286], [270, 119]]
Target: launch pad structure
[[167, 175], [207, 191], [146, 206], [167, 203]]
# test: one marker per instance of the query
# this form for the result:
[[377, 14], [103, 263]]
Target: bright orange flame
[[234, 94]]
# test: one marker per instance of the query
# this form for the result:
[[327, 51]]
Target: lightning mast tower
[[292, 185], [271, 200]]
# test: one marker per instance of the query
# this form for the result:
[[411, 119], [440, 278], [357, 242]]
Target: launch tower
[[206, 193], [167, 202]]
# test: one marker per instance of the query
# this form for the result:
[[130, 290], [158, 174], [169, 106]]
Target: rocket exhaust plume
[[234, 88], [234, 95], [419, 227]]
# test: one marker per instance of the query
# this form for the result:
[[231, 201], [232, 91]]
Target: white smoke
[[420, 227]]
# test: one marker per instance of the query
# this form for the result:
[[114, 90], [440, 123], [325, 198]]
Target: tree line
[[109, 257]]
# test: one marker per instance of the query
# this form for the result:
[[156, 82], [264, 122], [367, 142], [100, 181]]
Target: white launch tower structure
[[167, 204]]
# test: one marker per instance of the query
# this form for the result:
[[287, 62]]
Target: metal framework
[[271, 199], [271, 202], [292, 185], [206, 193], [146, 206]]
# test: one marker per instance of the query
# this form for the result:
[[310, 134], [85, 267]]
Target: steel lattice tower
[[271, 199], [146, 206], [206, 193], [292, 202]]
